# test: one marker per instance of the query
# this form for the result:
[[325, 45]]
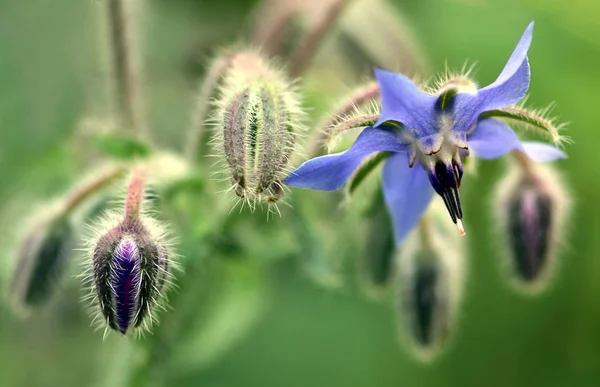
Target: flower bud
[[430, 272], [130, 266], [531, 208], [129, 272], [40, 262], [377, 259], [256, 125]]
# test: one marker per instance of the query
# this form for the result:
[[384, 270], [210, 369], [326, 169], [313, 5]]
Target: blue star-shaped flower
[[428, 136]]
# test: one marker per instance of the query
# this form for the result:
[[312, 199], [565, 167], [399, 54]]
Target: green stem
[[307, 49], [329, 127], [126, 65], [82, 193]]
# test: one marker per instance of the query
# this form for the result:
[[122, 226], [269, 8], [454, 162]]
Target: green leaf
[[120, 147]]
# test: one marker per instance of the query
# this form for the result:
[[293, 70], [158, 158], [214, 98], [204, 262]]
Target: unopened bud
[[130, 266], [40, 262], [377, 259], [531, 207], [256, 126], [430, 274]]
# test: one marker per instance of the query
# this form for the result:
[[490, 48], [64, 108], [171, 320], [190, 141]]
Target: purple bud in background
[[530, 220], [430, 271], [531, 208]]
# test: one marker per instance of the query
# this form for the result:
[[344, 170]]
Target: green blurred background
[[52, 72]]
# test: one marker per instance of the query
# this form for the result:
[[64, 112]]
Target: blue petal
[[509, 88], [407, 192], [330, 172], [402, 101], [542, 153], [492, 139]]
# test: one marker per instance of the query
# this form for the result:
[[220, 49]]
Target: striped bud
[[40, 262], [531, 208], [256, 125], [130, 265], [129, 272], [430, 271]]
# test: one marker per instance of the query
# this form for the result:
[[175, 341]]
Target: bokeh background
[[53, 79]]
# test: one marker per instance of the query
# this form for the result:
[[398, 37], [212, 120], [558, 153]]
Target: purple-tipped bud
[[130, 266], [129, 270], [531, 208], [256, 127]]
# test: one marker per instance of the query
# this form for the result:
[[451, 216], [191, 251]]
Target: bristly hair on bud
[[430, 273], [129, 263], [257, 122], [531, 207]]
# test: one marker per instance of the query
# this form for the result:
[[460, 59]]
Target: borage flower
[[428, 135]]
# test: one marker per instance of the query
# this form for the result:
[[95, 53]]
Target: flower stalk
[[126, 65], [307, 49]]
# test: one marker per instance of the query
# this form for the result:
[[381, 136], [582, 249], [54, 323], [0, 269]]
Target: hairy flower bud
[[129, 272], [130, 266], [430, 272], [40, 262], [531, 208], [256, 126]]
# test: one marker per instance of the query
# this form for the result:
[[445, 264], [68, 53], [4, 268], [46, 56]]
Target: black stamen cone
[[445, 179]]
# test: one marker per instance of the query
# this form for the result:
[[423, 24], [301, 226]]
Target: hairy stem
[[307, 49], [272, 23], [135, 195], [327, 129], [125, 56], [526, 164], [425, 230], [80, 194]]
